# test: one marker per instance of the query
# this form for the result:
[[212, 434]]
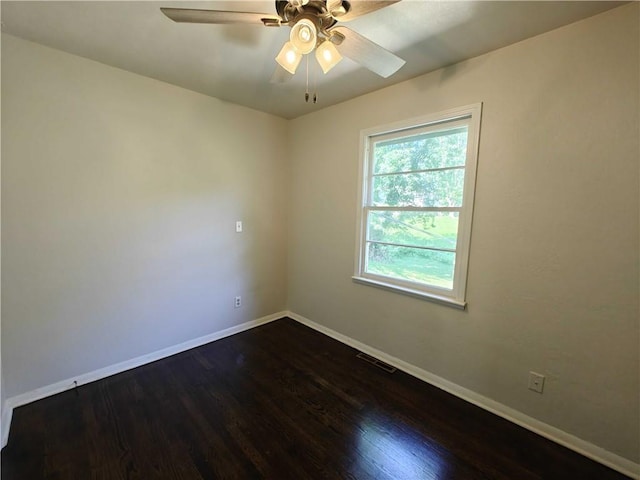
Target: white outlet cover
[[239, 226]]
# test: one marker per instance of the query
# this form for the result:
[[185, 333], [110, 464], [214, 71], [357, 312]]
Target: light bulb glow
[[303, 35], [327, 55], [289, 58]]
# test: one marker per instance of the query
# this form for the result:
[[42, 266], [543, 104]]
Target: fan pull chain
[[315, 95], [306, 93]]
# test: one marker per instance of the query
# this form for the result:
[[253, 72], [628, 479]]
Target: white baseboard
[[48, 390], [7, 413], [611, 460], [620, 464]]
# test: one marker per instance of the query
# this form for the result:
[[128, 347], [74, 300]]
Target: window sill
[[450, 302]]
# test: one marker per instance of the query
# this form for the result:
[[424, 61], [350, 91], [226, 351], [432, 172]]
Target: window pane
[[421, 152], [428, 189], [411, 264], [423, 229]]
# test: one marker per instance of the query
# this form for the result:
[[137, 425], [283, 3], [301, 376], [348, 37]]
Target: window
[[416, 204]]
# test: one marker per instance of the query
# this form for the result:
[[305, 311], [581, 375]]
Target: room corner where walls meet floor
[[576, 444]]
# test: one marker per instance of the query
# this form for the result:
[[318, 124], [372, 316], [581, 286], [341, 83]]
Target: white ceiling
[[236, 62]]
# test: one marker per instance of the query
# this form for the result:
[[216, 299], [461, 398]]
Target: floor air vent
[[378, 363]]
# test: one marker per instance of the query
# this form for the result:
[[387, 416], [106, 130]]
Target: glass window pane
[[411, 264], [428, 189], [421, 229], [421, 152]]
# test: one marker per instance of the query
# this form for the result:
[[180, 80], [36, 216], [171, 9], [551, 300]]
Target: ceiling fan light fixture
[[289, 58], [327, 55], [304, 35]]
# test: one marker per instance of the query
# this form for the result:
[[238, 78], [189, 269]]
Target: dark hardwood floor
[[281, 402]]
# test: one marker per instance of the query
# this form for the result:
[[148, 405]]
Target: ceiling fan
[[313, 26]]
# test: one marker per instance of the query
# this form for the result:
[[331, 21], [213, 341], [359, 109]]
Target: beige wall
[[553, 276], [119, 201]]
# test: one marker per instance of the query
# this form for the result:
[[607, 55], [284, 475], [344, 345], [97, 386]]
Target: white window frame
[[468, 115]]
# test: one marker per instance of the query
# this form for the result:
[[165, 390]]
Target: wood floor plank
[[280, 402]]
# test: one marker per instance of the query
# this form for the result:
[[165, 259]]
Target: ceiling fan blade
[[280, 75], [188, 15], [357, 8], [365, 52]]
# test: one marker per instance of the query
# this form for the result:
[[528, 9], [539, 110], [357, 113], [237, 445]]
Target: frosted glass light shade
[[289, 58], [327, 55], [304, 36]]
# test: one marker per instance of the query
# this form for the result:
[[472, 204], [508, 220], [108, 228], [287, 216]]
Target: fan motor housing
[[314, 9]]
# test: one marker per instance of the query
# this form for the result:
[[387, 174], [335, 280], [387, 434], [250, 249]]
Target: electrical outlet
[[238, 302], [536, 382]]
